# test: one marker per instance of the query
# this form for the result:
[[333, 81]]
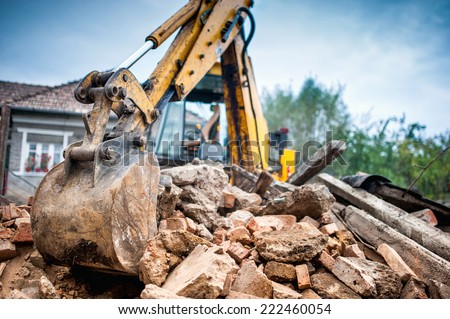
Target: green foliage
[[391, 147]]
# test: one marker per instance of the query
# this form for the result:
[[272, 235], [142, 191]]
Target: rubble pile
[[219, 241]]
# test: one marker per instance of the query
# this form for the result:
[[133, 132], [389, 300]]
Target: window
[[41, 150]]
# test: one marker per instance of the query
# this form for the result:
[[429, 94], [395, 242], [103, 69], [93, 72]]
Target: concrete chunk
[[307, 200], [309, 294], [291, 245], [244, 199], [154, 292], [202, 274], [368, 278], [250, 281], [354, 251]]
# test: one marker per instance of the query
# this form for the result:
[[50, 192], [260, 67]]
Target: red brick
[[219, 235], [176, 224], [23, 233], [395, 262], [303, 280], [228, 199], [354, 251], [311, 221], [326, 260], [238, 252], [239, 234], [329, 229]]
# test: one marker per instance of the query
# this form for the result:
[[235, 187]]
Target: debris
[[438, 290], [168, 195], [244, 199], [326, 260], [368, 278], [176, 224], [307, 200], [238, 252], [329, 287], [290, 245], [201, 274], [309, 294], [311, 221], [46, 289], [17, 294], [414, 289], [354, 251], [425, 264], [283, 292], [250, 281], [204, 233], [23, 232], [202, 187], [280, 272], [329, 229], [426, 235], [396, 262], [241, 214], [7, 250], [239, 234], [155, 292], [302, 273], [240, 295]]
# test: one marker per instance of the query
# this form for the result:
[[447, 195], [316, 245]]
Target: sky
[[391, 56]]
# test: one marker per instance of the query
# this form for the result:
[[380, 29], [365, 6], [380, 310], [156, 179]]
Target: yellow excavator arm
[[98, 207]]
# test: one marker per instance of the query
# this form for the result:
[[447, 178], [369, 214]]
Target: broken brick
[[326, 260], [6, 233], [309, 294], [219, 235], [228, 199], [354, 251], [238, 252], [283, 292], [303, 280], [329, 229], [239, 234], [23, 233], [396, 262]]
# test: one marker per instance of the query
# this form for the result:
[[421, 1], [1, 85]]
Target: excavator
[[97, 208]]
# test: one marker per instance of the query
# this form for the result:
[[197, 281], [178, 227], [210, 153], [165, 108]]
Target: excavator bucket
[[100, 213]]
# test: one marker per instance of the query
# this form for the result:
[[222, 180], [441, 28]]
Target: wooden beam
[[427, 265], [314, 165], [263, 183], [428, 236]]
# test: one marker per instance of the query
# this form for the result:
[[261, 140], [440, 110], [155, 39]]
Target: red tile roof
[[39, 97]]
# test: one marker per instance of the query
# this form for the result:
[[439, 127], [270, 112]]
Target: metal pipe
[[132, 59]]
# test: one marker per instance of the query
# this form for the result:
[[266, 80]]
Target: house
[[44, 120]]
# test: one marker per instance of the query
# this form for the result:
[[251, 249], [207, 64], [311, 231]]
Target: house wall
[[30, 122]]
